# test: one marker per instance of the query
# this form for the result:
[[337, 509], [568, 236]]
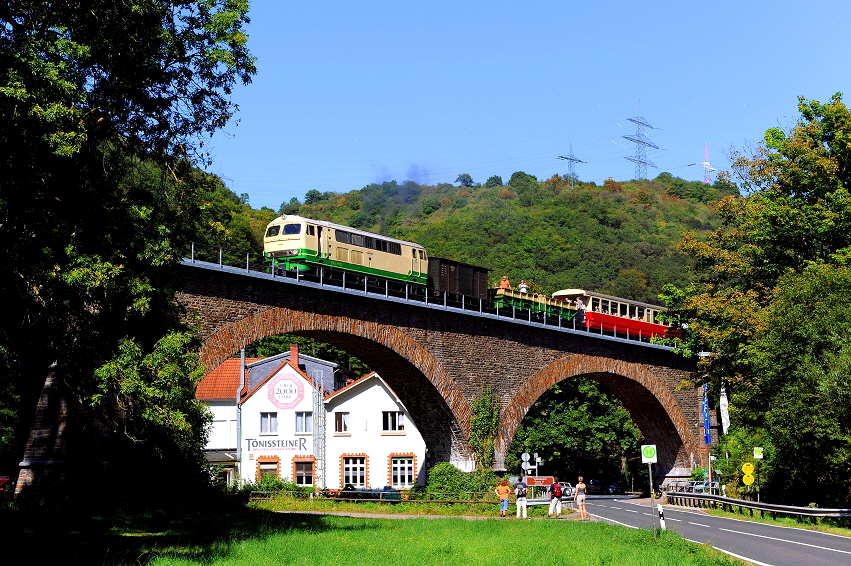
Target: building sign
[[260, 444], [539, 480], [286, 392]]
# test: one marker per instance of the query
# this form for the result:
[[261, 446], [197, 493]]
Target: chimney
[[294, 355]]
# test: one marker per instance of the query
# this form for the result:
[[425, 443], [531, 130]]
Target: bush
[[446, 478]]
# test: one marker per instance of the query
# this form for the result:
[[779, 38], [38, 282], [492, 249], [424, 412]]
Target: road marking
[[618, 508], [632, 510], [701, 525], [677, 520], [789, 541], [613, 521], [733, 554]]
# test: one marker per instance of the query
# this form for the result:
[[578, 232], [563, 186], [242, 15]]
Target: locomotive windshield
[[287, 229]]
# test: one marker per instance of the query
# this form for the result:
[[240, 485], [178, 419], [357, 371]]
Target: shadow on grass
[[200, 532]]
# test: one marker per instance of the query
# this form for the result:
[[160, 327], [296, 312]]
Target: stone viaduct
[[439, 359]]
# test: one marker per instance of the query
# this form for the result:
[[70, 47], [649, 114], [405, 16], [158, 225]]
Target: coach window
[[311, 230], [341, 236], [268, 423], [292, 228]]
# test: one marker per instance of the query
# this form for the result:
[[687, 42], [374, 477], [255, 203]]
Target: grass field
[[317, 539], [228, 532]]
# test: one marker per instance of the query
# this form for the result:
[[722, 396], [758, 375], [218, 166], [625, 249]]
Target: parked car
[[612, 487], [566, 490], [594, 486]]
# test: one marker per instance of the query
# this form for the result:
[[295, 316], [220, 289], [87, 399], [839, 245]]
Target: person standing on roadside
[[579, 498], [554, 493], [520, 489], [503, 491]]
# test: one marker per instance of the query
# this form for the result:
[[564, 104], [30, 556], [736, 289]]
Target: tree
[[494, 181], [580, 427], [465, 180], [769, 295], [290, 207], [103, 112]]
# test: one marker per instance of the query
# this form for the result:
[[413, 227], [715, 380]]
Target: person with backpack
[[554, 494], [520, 489]]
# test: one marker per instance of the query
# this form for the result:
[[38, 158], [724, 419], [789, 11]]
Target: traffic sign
[[525, 456], [757, 452], [748, 479], [747, 467], [525, 465], [648, 453]]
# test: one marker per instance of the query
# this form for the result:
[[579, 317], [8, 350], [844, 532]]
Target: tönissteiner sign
[[255, 444], [285, 392]]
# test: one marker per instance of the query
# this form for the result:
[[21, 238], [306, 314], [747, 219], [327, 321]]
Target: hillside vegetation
[[619, 238]]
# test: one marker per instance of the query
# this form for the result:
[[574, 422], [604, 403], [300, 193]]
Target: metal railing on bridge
[[206, 255]]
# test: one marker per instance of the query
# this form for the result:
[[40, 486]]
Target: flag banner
[[706, 437], [724, 405]]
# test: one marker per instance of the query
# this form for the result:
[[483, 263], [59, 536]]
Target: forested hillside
[[618, 238]]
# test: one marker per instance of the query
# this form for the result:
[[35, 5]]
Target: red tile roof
[[222, 382]]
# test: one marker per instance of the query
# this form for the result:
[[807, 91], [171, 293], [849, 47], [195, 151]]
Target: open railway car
[[614, 314], [297, 243]]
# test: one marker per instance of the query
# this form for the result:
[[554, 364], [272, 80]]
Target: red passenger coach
[[614, 315]]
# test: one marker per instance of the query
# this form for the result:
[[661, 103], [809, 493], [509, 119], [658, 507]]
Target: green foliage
[[578, 428], [101, 110], [484, 424], [494, 181], [770, 303], [465, 180], [444, 478]]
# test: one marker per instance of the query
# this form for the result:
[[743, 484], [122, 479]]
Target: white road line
[[733, 554], [677, 520], [701, 525], [631, 510], [618, 508], [789, 541], [613, 521]]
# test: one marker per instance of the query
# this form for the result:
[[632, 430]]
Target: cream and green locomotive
[[298, 243]]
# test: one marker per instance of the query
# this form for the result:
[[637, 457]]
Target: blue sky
[[351, 93]]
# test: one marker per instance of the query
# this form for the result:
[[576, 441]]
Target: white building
[[306, 419]]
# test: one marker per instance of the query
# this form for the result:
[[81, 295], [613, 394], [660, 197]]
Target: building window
[[341, 422], [304, 473], [267, 468], [303, 422], [402, 472], [354, 471], [393, 421], [268, 423]]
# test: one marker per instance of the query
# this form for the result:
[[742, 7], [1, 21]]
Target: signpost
[[757, 454], [648, 456]]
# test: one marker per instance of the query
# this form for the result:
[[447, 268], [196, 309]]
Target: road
[[755, 542]]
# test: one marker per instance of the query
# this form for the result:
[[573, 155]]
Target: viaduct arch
[[438, 360]]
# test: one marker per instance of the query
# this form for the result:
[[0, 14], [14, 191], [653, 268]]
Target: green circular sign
[[649, 451]]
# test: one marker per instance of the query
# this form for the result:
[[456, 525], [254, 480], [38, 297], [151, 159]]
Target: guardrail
[[728, 504], [332, 278]]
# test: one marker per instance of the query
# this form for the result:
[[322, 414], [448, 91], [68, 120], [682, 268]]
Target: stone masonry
[[438, 361]]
